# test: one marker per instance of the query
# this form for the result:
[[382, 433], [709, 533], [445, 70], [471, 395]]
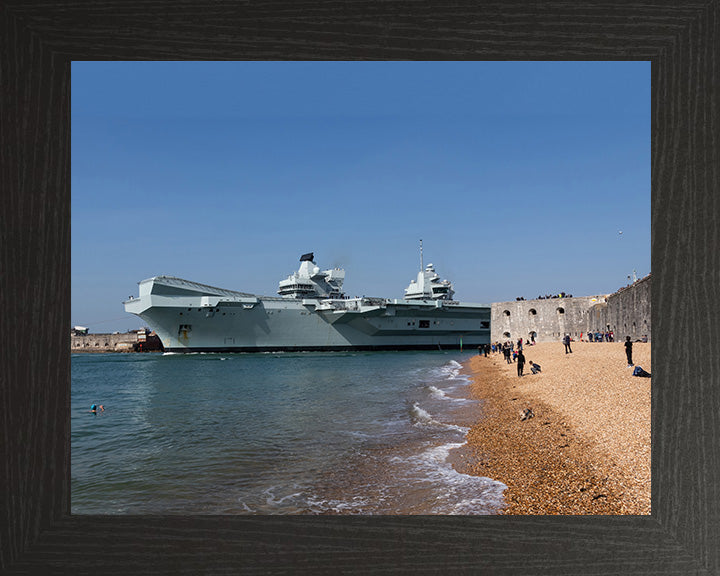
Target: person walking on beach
[[520, 362], [628, 350], [506, 352], [566, 341]]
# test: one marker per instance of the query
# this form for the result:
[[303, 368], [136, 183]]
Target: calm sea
[[289, 433]]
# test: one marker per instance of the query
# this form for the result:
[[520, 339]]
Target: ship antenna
[[422, 265]]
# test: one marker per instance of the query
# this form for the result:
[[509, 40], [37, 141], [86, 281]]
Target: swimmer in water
[[102, 408], [93, 409]]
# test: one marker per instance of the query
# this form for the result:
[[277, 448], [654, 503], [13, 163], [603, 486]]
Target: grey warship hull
[[192, 317]]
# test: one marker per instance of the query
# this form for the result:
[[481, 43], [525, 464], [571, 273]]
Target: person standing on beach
[[628, 350], [507, 353], [566, 341], [520, 362]]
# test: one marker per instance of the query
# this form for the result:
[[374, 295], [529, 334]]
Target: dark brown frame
[[37, 43]]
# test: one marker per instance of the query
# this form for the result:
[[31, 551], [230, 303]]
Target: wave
[[421, 417], [462, 493], [439, 394]]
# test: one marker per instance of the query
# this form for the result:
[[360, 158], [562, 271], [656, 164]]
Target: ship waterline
[[311, 315]]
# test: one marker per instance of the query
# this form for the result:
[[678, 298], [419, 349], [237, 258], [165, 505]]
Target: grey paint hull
[[190, 317]]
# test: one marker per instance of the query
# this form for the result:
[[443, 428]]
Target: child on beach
[[628, 350], [534, 368]]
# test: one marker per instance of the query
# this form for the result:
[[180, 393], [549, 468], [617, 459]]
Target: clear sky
[[517, 176]]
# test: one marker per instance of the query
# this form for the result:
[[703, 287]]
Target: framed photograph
[[40, 534]]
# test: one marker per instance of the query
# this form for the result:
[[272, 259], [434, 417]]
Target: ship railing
[[374, 301], [352, 304], [332, 305]]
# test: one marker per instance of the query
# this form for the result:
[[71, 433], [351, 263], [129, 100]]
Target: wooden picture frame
[[39, 41]]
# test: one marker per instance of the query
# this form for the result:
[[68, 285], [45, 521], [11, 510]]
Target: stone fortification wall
[[626, 313], [103, 342], [138, 340], [548, 319]]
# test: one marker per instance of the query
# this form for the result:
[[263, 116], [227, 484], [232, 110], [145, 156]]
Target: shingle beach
[[587, 448]]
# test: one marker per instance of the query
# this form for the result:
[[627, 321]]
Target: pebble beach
[[586, 450]]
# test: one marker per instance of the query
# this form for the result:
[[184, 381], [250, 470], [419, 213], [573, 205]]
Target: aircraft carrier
[[310, 312]]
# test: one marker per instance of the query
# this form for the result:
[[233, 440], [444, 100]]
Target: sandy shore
[[587, 448]]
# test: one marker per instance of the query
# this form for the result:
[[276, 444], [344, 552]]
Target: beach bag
[[640, 372]]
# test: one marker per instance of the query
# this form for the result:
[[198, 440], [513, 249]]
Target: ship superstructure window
[[424, 323]]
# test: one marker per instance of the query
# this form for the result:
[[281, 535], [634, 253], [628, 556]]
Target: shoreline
[[587, 448]]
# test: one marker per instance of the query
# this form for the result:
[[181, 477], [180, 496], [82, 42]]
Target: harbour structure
[[311, 312], [142, 340], [625, 312]]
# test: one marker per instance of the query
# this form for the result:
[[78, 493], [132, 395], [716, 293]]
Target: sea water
[[276, 433]]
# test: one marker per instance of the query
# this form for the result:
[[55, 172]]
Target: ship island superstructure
[[311, 312]]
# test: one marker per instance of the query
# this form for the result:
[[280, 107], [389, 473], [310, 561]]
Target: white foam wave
[[436, 392], [355, 504], [462, 493], [449, 371], [273, 500], [246, 508], [421, 417]]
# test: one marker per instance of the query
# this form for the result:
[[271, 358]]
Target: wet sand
[[587, 448]]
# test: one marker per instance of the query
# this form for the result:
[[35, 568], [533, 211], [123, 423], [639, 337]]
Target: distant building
[[142, 340]]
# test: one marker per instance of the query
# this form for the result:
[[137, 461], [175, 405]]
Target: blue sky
[[518, 176]]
